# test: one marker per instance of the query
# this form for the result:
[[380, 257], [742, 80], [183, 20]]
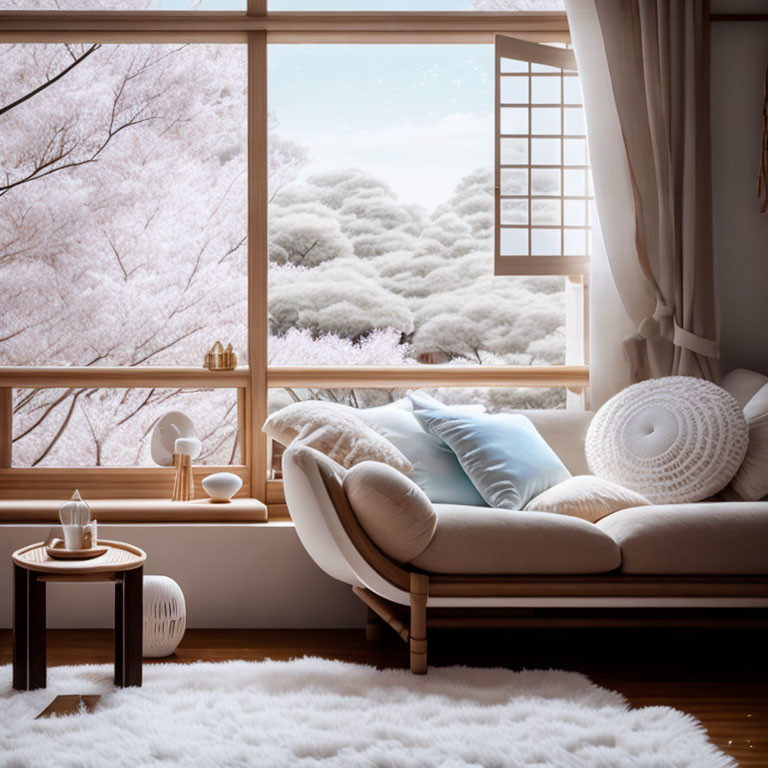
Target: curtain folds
[[644, 67]]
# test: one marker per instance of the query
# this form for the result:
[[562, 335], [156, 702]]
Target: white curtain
[[644, 67]]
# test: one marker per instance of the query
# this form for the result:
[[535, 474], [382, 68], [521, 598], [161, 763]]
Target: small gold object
[[220, 359]]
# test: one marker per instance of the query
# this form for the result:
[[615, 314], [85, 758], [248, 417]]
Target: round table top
[[118, 557]]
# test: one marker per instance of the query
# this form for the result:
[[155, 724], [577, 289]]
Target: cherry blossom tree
[[123, 234]]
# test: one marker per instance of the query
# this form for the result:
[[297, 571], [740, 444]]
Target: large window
[[339, 233], [123, 238], [381, 248]]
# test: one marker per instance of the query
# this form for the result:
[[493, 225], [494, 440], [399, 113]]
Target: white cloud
[[421, 162]]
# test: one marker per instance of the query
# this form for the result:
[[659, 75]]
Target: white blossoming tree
[[122, 235]]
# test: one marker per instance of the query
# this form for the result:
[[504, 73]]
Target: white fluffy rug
[[311, 712]]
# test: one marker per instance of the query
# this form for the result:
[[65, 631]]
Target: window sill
[[239, 510]]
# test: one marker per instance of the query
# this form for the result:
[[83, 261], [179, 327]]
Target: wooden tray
[[59, 553]]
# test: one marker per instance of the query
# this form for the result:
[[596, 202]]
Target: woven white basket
[[673, 440], [165, 616]]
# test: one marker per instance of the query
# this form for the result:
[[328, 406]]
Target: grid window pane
[[574, 152], [514, 90], [545, 151], [573, 121], [514, 211], [545, 90], [545, 120], [513, 65], [575, 242], [545, 181], [514, 120], [514, 242], [514, 151], [575, 212], [545, 242], [574, 182], [545, 212], [514, 181]]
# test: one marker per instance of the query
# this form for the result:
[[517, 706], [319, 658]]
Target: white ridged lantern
[[165, 616]]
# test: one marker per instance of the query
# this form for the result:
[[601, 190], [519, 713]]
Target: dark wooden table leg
[[119, 635], [129, 617], [28, 630]]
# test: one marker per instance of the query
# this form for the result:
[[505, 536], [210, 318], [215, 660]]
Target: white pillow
[[586, 496], [751, 481], [334, 430], [674, 440]]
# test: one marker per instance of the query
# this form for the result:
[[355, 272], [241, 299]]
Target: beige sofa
[[484, 567]]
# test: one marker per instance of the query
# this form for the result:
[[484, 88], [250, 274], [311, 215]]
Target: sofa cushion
[[674, 440], [565, 432], [743, 384], [479, 540], [336, 431], [586, 496], [436, 470], [504, 456], [751, 481], [392, 509], [716, 538]]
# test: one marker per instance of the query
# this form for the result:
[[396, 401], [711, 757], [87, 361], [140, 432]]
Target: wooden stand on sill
[[183, 486]]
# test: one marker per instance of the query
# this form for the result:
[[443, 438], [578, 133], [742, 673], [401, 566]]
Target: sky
[[420, 117], [417, 116]]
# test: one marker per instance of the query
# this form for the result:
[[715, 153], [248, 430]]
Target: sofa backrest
[[565, 432]]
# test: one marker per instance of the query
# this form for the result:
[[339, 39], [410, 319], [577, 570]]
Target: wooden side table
[[33, 569]]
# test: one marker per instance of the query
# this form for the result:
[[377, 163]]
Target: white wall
[[739, 57], [231, 576]]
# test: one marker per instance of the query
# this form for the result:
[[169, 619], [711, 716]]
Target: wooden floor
[[719, 676]]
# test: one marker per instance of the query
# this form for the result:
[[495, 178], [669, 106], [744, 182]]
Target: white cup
[[73, 536]]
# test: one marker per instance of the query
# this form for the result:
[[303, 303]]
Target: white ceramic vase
[[165, 616]]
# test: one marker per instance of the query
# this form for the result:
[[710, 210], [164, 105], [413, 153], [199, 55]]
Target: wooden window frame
[[255, 28]]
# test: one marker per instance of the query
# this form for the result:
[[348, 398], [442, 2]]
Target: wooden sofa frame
[[745, 597]]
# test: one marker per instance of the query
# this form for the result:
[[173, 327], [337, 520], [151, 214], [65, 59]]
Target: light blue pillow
[[436, 470], [503, 455]]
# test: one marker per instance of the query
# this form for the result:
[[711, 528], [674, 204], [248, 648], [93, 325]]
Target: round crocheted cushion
[[673, 440]]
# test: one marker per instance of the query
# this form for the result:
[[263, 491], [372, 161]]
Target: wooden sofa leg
[[374, 627], [419, 590]]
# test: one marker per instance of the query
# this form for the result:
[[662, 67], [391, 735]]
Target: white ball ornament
[[222, 486]]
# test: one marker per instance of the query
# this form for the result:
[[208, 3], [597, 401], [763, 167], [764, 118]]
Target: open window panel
[[542, 188]]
